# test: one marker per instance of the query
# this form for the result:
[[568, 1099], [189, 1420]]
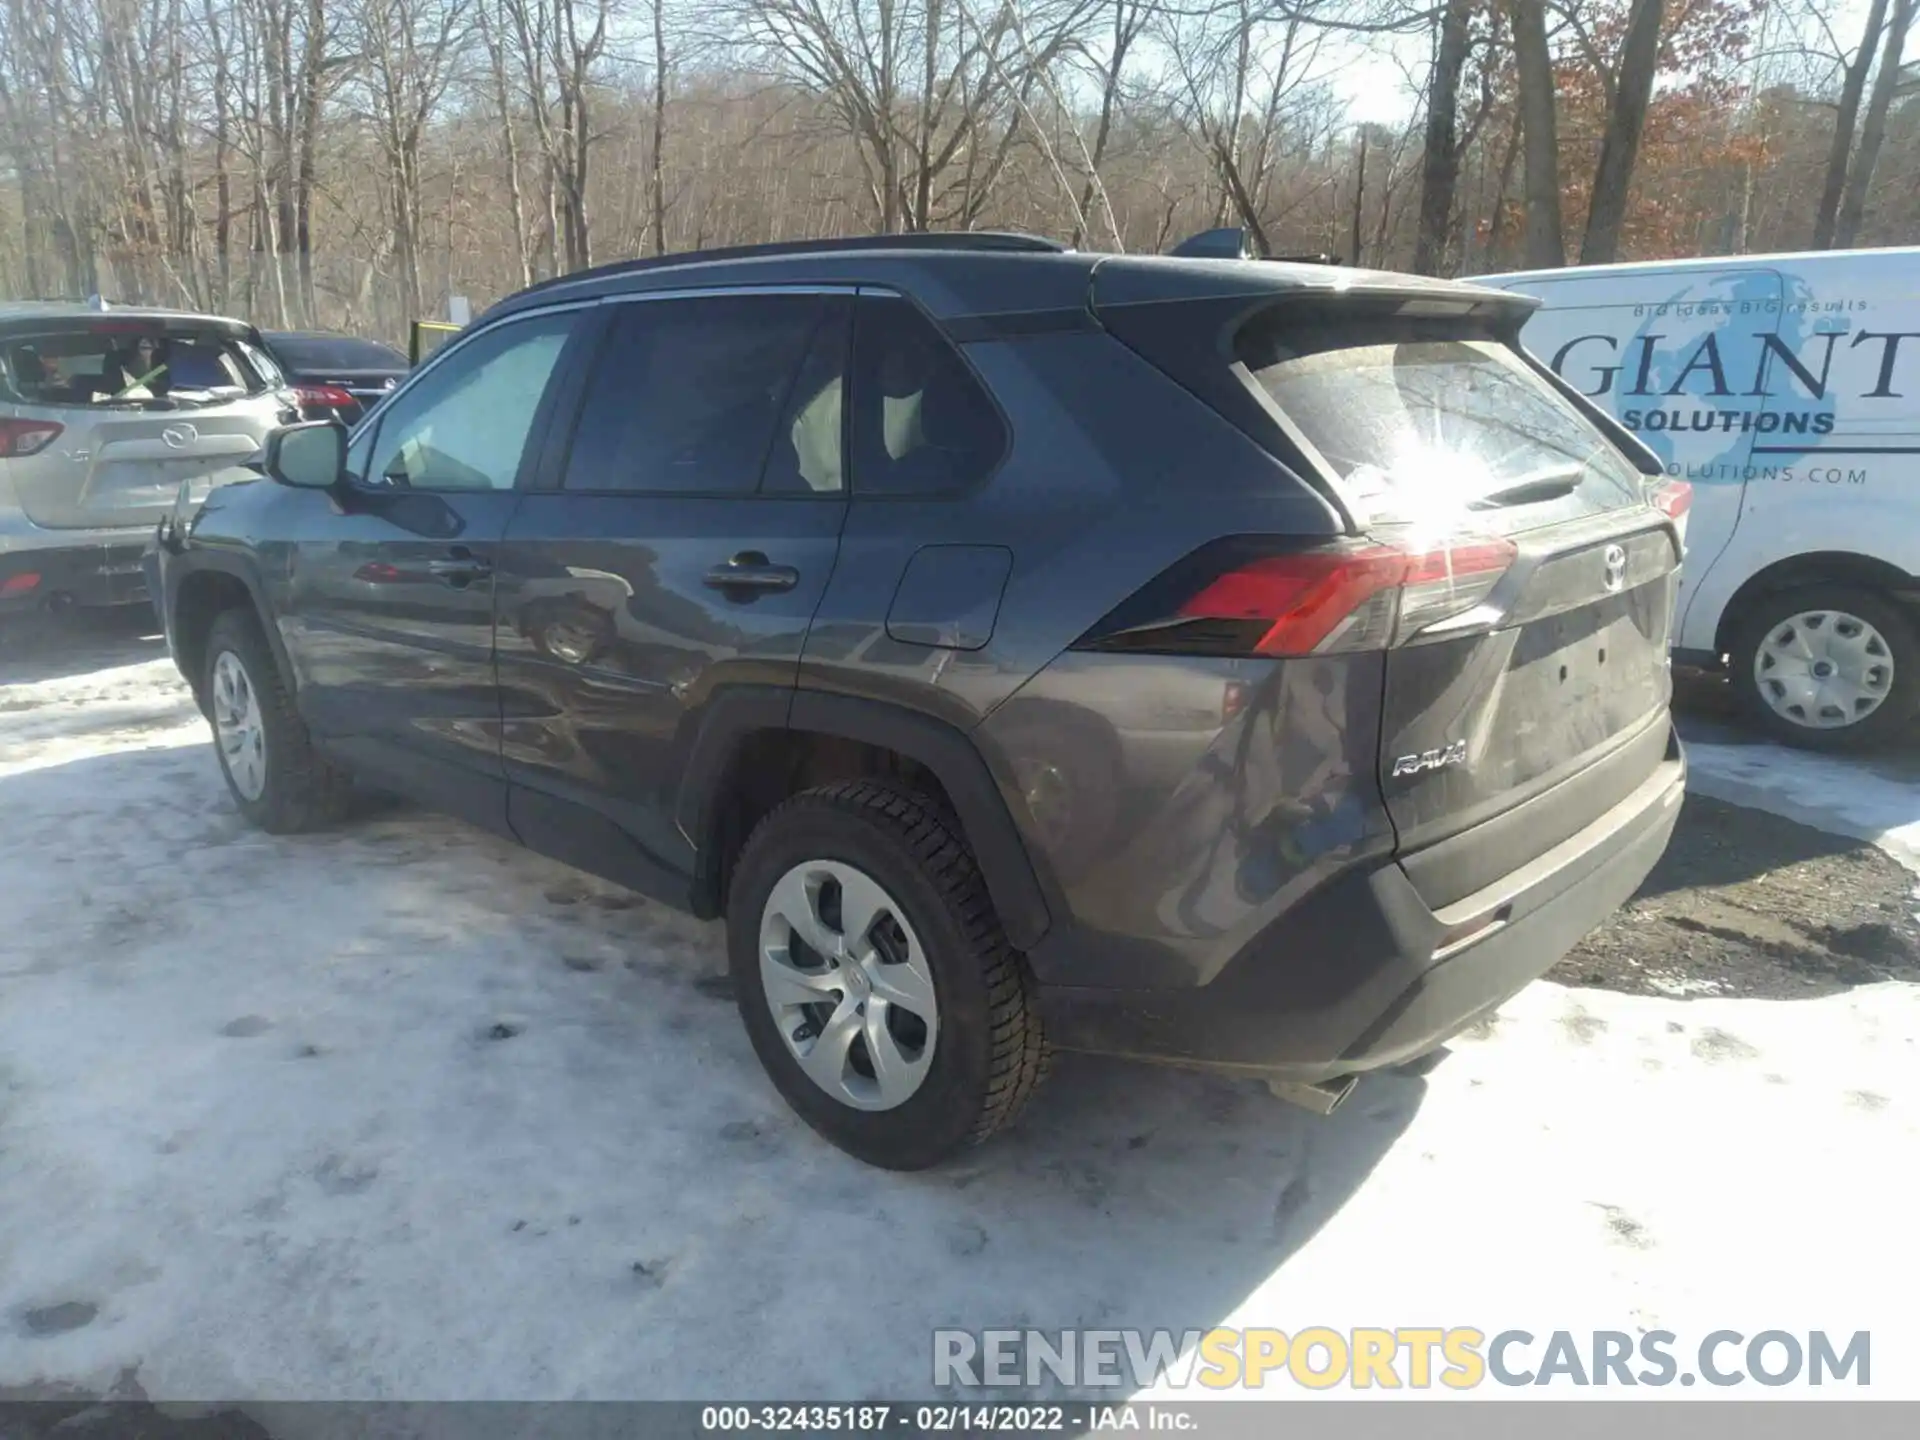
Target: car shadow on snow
[[35, 648], [1127, 1196]]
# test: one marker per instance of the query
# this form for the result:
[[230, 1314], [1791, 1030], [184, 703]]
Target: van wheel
[[276, 777], [1828, 667], [874, 979]]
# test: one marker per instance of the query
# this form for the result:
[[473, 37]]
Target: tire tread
[[308, 793], [1019, 1058]]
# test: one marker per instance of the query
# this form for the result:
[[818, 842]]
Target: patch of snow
[[1668, 982], [1872, 798], [403, 1111]]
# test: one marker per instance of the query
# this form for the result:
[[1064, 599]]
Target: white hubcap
[[237, 728], [848, 984], [1823, 669]]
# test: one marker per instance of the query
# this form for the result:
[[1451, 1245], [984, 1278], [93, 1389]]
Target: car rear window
[[1423, 426], [159, 366], [335, 352]]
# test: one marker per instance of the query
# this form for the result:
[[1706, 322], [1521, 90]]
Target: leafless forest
[[353, 163]]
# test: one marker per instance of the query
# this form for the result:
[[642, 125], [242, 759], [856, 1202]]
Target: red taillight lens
[[328, 396], [1304, 600], [21, 438], [19, 584], [1228, 599], [1673, 498]]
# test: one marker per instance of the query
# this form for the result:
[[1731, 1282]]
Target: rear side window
[[1426, 427], [158, 365], [686, 397], [922, 424]]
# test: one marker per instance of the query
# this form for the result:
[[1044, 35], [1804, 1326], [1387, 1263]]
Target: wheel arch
[[756, 745], [1820, 567], [203, 593]]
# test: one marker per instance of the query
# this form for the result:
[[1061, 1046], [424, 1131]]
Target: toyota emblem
[[178, 437], [1615, 560]]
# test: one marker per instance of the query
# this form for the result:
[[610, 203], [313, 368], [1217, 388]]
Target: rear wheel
[[1828, 667], [276, 777], [874, 979]]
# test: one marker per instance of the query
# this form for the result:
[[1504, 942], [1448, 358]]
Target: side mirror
[[308, 457]]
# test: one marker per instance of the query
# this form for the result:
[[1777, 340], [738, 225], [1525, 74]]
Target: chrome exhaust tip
[[1322, 1097]]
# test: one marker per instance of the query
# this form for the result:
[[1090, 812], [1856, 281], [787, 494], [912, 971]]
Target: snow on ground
[[401, 1111], [1875, 799]]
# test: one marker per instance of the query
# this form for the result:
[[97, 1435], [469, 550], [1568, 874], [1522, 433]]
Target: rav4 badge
[[1454, 754]]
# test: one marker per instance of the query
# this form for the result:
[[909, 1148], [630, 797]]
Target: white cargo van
[[1786, 390]]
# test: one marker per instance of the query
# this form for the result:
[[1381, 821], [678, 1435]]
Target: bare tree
[[493, 41], [1129, 20], [1440, 161], [411, 50], [1873, 126], [1541, 166], [560, 44], [1852, 88], [1620, 147], [657, 177]]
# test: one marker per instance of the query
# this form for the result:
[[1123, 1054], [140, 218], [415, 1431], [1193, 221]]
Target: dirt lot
[[1748, 904]]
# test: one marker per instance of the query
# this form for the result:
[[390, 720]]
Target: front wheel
[[1828, 667], [276, 777], [874, 979]]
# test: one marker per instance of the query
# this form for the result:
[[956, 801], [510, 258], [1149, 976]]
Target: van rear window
[[1422, 426]]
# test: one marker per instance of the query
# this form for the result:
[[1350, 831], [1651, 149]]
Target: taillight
[[324, 396], [1231, 599], [21, 438], [21, 583], [1673, 499]]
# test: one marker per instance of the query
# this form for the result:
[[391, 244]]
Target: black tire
[[301, 791], [989, 1055], [1886, 723]]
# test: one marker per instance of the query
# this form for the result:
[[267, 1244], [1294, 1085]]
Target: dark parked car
[[1248, 665], [338, 377]]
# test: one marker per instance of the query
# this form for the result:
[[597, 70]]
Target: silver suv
[[104, 411]]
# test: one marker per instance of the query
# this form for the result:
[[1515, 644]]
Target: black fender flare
[[736, 712], [184, 565]]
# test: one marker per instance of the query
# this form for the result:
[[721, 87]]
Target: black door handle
[[461, 568], [750, 572]]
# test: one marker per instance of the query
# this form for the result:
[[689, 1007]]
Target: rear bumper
[[75, 568], [1364, 974]]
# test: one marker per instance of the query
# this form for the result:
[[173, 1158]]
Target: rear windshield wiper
[[1531, 489]]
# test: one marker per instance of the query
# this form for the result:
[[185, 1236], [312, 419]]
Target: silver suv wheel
[[848, 983], [237, 726], [1823, 669]]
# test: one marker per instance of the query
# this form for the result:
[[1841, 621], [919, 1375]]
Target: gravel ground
[[1747, 904]]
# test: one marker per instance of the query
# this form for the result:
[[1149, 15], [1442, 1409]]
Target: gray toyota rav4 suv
[[103, 414], [1241, 664]]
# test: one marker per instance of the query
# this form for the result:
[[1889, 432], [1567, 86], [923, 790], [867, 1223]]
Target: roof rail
[[961, 240]]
